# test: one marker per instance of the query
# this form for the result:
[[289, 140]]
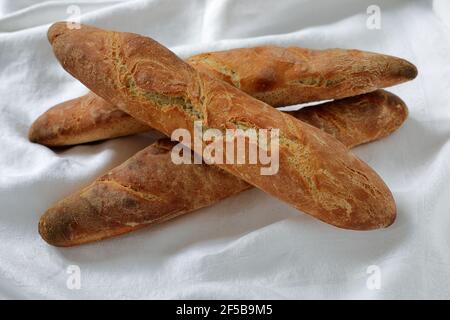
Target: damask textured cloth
[[251, 245]]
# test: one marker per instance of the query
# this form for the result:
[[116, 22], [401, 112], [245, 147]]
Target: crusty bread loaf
[[80, 120], [359, 119], [317, 173], [284, 76], [90, 118], [148, 188], [275, 75]]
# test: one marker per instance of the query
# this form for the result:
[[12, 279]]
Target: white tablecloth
[[251, 245]]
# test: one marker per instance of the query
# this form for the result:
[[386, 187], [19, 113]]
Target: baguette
[[275, 75], [357, 120], [90, 118], [317, 173], [84, 119], [148, 188], [285, 76]]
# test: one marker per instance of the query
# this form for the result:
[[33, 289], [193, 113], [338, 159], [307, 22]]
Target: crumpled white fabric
[[251, 245]]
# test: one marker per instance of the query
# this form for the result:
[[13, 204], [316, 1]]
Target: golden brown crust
[[357, 120], [283, 76], [316, 173], [124, 199], [74, 220], [146, 189], [84, 119], [275, 75]]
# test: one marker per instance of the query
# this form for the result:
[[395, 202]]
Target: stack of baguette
[[138, 85]]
